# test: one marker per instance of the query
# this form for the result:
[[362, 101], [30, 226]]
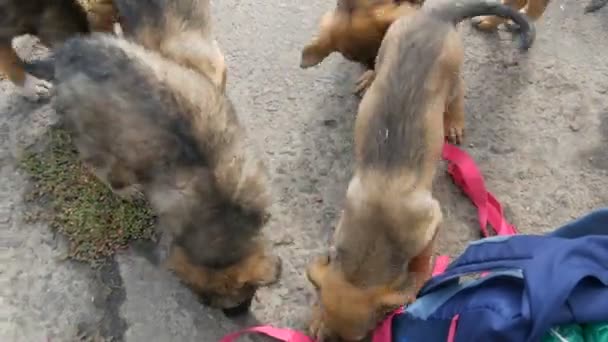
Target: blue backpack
[[534, 283]]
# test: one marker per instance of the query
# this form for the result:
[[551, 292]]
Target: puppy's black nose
[[204, 299], [238, 310]]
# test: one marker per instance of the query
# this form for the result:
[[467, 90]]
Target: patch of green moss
[[95, 220]]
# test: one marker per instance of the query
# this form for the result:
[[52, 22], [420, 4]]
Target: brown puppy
[[384, 239], [355, 29], [52, 21], [534, 9], [143, 122], [178, 29]]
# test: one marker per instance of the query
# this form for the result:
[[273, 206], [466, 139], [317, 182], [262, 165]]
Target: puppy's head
[[347, 311], [371, 270], [218, 248], [230, 288]]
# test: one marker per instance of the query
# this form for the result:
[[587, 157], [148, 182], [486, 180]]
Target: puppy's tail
[[459, 10]]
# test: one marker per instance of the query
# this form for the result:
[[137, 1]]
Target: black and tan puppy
[[384, 239], [144, 122], [178, 29], [52, 21], [355, 29]]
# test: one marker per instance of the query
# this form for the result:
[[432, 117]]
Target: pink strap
[[383, 332], [452, 330], [467, 176], [286, 335], [441, 264]]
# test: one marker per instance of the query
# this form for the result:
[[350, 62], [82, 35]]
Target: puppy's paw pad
[[35, 89]]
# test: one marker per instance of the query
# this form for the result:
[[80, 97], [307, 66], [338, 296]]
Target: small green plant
[[95, 220]]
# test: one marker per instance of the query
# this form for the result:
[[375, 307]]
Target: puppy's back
[[113, 92], [390, 134]]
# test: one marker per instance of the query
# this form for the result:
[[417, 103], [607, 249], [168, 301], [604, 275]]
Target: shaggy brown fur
[[52, 21], [534, 9], [355, 29], [178, 29], [145, 123], [384, 239]]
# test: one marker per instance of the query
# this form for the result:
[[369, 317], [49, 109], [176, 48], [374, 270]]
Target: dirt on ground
[[537, 125]]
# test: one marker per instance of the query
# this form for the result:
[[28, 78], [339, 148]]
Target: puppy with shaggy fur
[[384, 239], [52, 21], [147, 123]]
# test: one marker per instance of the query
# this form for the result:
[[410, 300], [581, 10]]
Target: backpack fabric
[[532, 284]]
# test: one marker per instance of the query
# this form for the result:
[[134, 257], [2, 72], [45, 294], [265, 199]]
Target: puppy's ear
[[317, 270]]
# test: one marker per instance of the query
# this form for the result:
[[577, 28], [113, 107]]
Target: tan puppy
[[384, 239], [180, 30], [534, 9], [355, 29], [52, 21]]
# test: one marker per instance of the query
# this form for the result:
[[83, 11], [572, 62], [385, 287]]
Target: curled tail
[[459, 10]]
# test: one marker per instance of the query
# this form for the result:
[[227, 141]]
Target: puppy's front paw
[[364, 82], [316, 328], [35, 89], [455, 134]]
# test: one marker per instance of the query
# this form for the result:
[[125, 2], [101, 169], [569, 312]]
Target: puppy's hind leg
[[453, 117], [11, 65], [118, 179], [123, 183]]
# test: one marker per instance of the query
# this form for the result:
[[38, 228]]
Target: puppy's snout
[[204, 299], [238, 310]]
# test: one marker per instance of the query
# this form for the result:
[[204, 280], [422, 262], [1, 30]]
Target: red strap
[[467, 176]]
